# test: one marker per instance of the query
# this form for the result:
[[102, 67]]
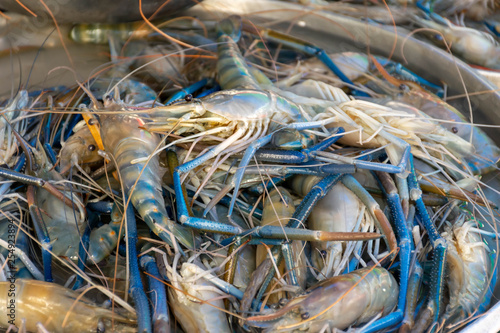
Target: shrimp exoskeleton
[[195, 301], [80, 148], [57, 308], [339, 302], [126, 141], [469, 270]]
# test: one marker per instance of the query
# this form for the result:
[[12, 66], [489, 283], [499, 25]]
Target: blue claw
[[412, 297], [426, 7], [430, 313], [136, 288], [404, 242], [492, 26], [158, 295], [187, 91], [84, 247], [46, 145], [303, 156], [209, 91]]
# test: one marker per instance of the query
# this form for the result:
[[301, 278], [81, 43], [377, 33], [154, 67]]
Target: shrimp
[[194, 302], [57, 308], [486, 151], [341, 210], [244, 113], [470, 269], [378, 14], [476, 47], [475, 9], [337, 302], [124, 139]]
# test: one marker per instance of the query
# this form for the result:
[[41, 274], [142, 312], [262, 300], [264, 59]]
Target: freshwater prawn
[[470, 270], [248, 113], [126, 141], [337, 302], [58, 309]]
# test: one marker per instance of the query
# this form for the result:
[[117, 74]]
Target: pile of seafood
[[197, 173]]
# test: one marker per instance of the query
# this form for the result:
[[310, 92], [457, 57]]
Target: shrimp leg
[[42, 233], [405, 243], [380, 219], [254, 146], [161, 321], [187, 91], [430, 313], [136, 287], [298, 218]]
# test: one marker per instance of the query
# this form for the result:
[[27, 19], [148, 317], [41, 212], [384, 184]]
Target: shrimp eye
[[323, 253], [188, 98], [108, 98], [304, 316], [454, 129], [91, 147], [283, 301], [91, 121], [403, 87]]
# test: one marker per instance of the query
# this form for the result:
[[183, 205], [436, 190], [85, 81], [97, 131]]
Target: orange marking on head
[[94, 129]]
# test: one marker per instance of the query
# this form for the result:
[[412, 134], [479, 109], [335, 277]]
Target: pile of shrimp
[[216, 175]]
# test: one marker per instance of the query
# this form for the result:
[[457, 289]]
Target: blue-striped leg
[[46, 144], [84, 246], [254, 146], [429, 315], [158, 295], [184, 92], [136, 288], [204, 224], [42, 234], [393, 200]]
